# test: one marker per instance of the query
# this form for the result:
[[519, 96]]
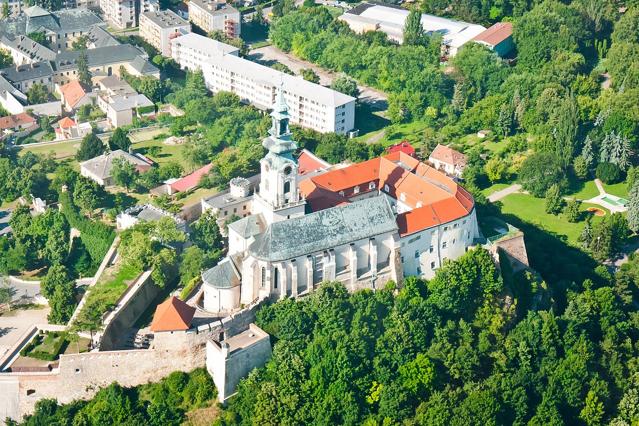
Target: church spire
[[279, 142]]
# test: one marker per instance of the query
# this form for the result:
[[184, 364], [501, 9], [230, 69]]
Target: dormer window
[[341, 193], [386, 188], [371, 185], [356, 190]]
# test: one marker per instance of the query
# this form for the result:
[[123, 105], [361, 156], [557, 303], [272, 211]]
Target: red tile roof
[[189, 182], [66, 122], [308, 162], [495, 34], [448, 155], [72, 93], [14, 121], [172, 315], [433, 197], [404, 147]]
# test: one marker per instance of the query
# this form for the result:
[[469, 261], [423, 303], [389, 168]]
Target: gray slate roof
[[28, 72], [249, 226], [99, 37], [223, 275], [324, 230], [100, 56], [102, 165], [36, 19], [29, 47]]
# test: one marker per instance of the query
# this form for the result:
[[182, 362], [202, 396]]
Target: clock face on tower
[[287, 170]]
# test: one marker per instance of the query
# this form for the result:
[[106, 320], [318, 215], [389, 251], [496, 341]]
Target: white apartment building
[[120, 13], [159, 27], [310, 105], [191, 50], [212, 15]]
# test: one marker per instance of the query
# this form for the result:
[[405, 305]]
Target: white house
[[448, 160]]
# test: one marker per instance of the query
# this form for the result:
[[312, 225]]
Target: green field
[[532, 210], [589, 190]]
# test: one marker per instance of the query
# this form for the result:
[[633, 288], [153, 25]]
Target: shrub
[[608, 173]]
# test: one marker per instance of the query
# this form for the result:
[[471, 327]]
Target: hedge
[[96, 236], [59, 346]]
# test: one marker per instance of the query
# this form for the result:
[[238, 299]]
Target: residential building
[[61, 28], [311, 105], [403, 146], [104, 61], [22, 77], [22, 123], [192, 50], [99, 168], [23, 50], [362, 225], [73, 95], [448, 160], [498, 38], [230, 360], [212, 15], [68, 128], [120, 102], [99, 37], [120, 13], [391, 19], [159, 27], [183, 184], [150, 6], [146, 213]]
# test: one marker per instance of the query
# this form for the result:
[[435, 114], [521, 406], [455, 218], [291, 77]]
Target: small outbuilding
[[172, 315]]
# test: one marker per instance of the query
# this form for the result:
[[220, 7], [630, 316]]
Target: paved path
[[14, 324], [267, 54], [498, 195], [600, 187], [604, 199]]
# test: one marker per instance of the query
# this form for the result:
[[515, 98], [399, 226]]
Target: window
[[341, 193], [244, 207], [287, 186], [371, 185], [402, 259], [263, 282], [356, 190], [416, 254], [445, 228], [444, 244], [456, 225], [431, 248], [419, 270], [454, 241], [432, 265]]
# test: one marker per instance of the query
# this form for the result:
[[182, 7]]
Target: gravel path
[[498, 195]]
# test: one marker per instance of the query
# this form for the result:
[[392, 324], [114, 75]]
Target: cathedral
[[361, 224]]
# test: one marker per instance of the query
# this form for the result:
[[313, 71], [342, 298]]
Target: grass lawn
[[62, 150], [619, 189], [589, 190], [103, 296], [395, 133], [532, 210], [164, 154]]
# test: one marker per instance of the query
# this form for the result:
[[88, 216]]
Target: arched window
[[263, 276], [287, 186], [276, 277]]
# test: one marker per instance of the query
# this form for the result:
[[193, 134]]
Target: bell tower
[[278, 197]]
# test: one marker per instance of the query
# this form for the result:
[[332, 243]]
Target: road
[[269, 54], [23, 288]]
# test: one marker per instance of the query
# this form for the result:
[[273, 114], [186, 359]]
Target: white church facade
[[363, 224]]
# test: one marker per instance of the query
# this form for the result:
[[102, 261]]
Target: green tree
[[6, 60], [84, 75], [37, 94], [4, 12], [414, 33], [496, 169], [206, 232], [87, 195], [346, 85], [593, 412], [572, 210], [554, 201], [39, 37], [80, 43], [580, 167], [309, 75], [538, 172], [124, 173], [119, 140], [633, 209], [57, 276], [90, 147]]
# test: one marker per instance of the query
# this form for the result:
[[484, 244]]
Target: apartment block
[[310, 105], [120, 13], [158, 28], [211, 15]]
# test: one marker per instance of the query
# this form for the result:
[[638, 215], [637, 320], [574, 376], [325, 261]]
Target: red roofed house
[[404, 147], [21, 123], [172, 315], [448, 160], [310, 163], [74, 96], [67, 128], [498, 38]]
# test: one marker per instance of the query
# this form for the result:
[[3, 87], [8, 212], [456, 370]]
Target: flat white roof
[[295, 85], [205, 44], [455, 33]]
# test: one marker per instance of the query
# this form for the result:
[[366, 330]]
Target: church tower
[[278, 197]]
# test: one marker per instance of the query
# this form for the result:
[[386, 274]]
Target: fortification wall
[[128, 310], [80, 376]]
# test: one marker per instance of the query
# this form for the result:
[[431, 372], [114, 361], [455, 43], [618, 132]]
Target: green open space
[[49, 345], [589, 190], [532, 210], [103, 296]]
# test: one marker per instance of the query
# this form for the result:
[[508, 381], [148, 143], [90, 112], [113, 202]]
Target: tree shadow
[[6, 330]]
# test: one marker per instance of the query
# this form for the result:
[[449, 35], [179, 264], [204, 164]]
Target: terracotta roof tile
[[448, 155], [495, 34], [308, 162], [13, 121], [72, 93], [190, 181], [66, 122], [172, 315], [404, 147]]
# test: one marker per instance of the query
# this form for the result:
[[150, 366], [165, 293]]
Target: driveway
[[267, 55]]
